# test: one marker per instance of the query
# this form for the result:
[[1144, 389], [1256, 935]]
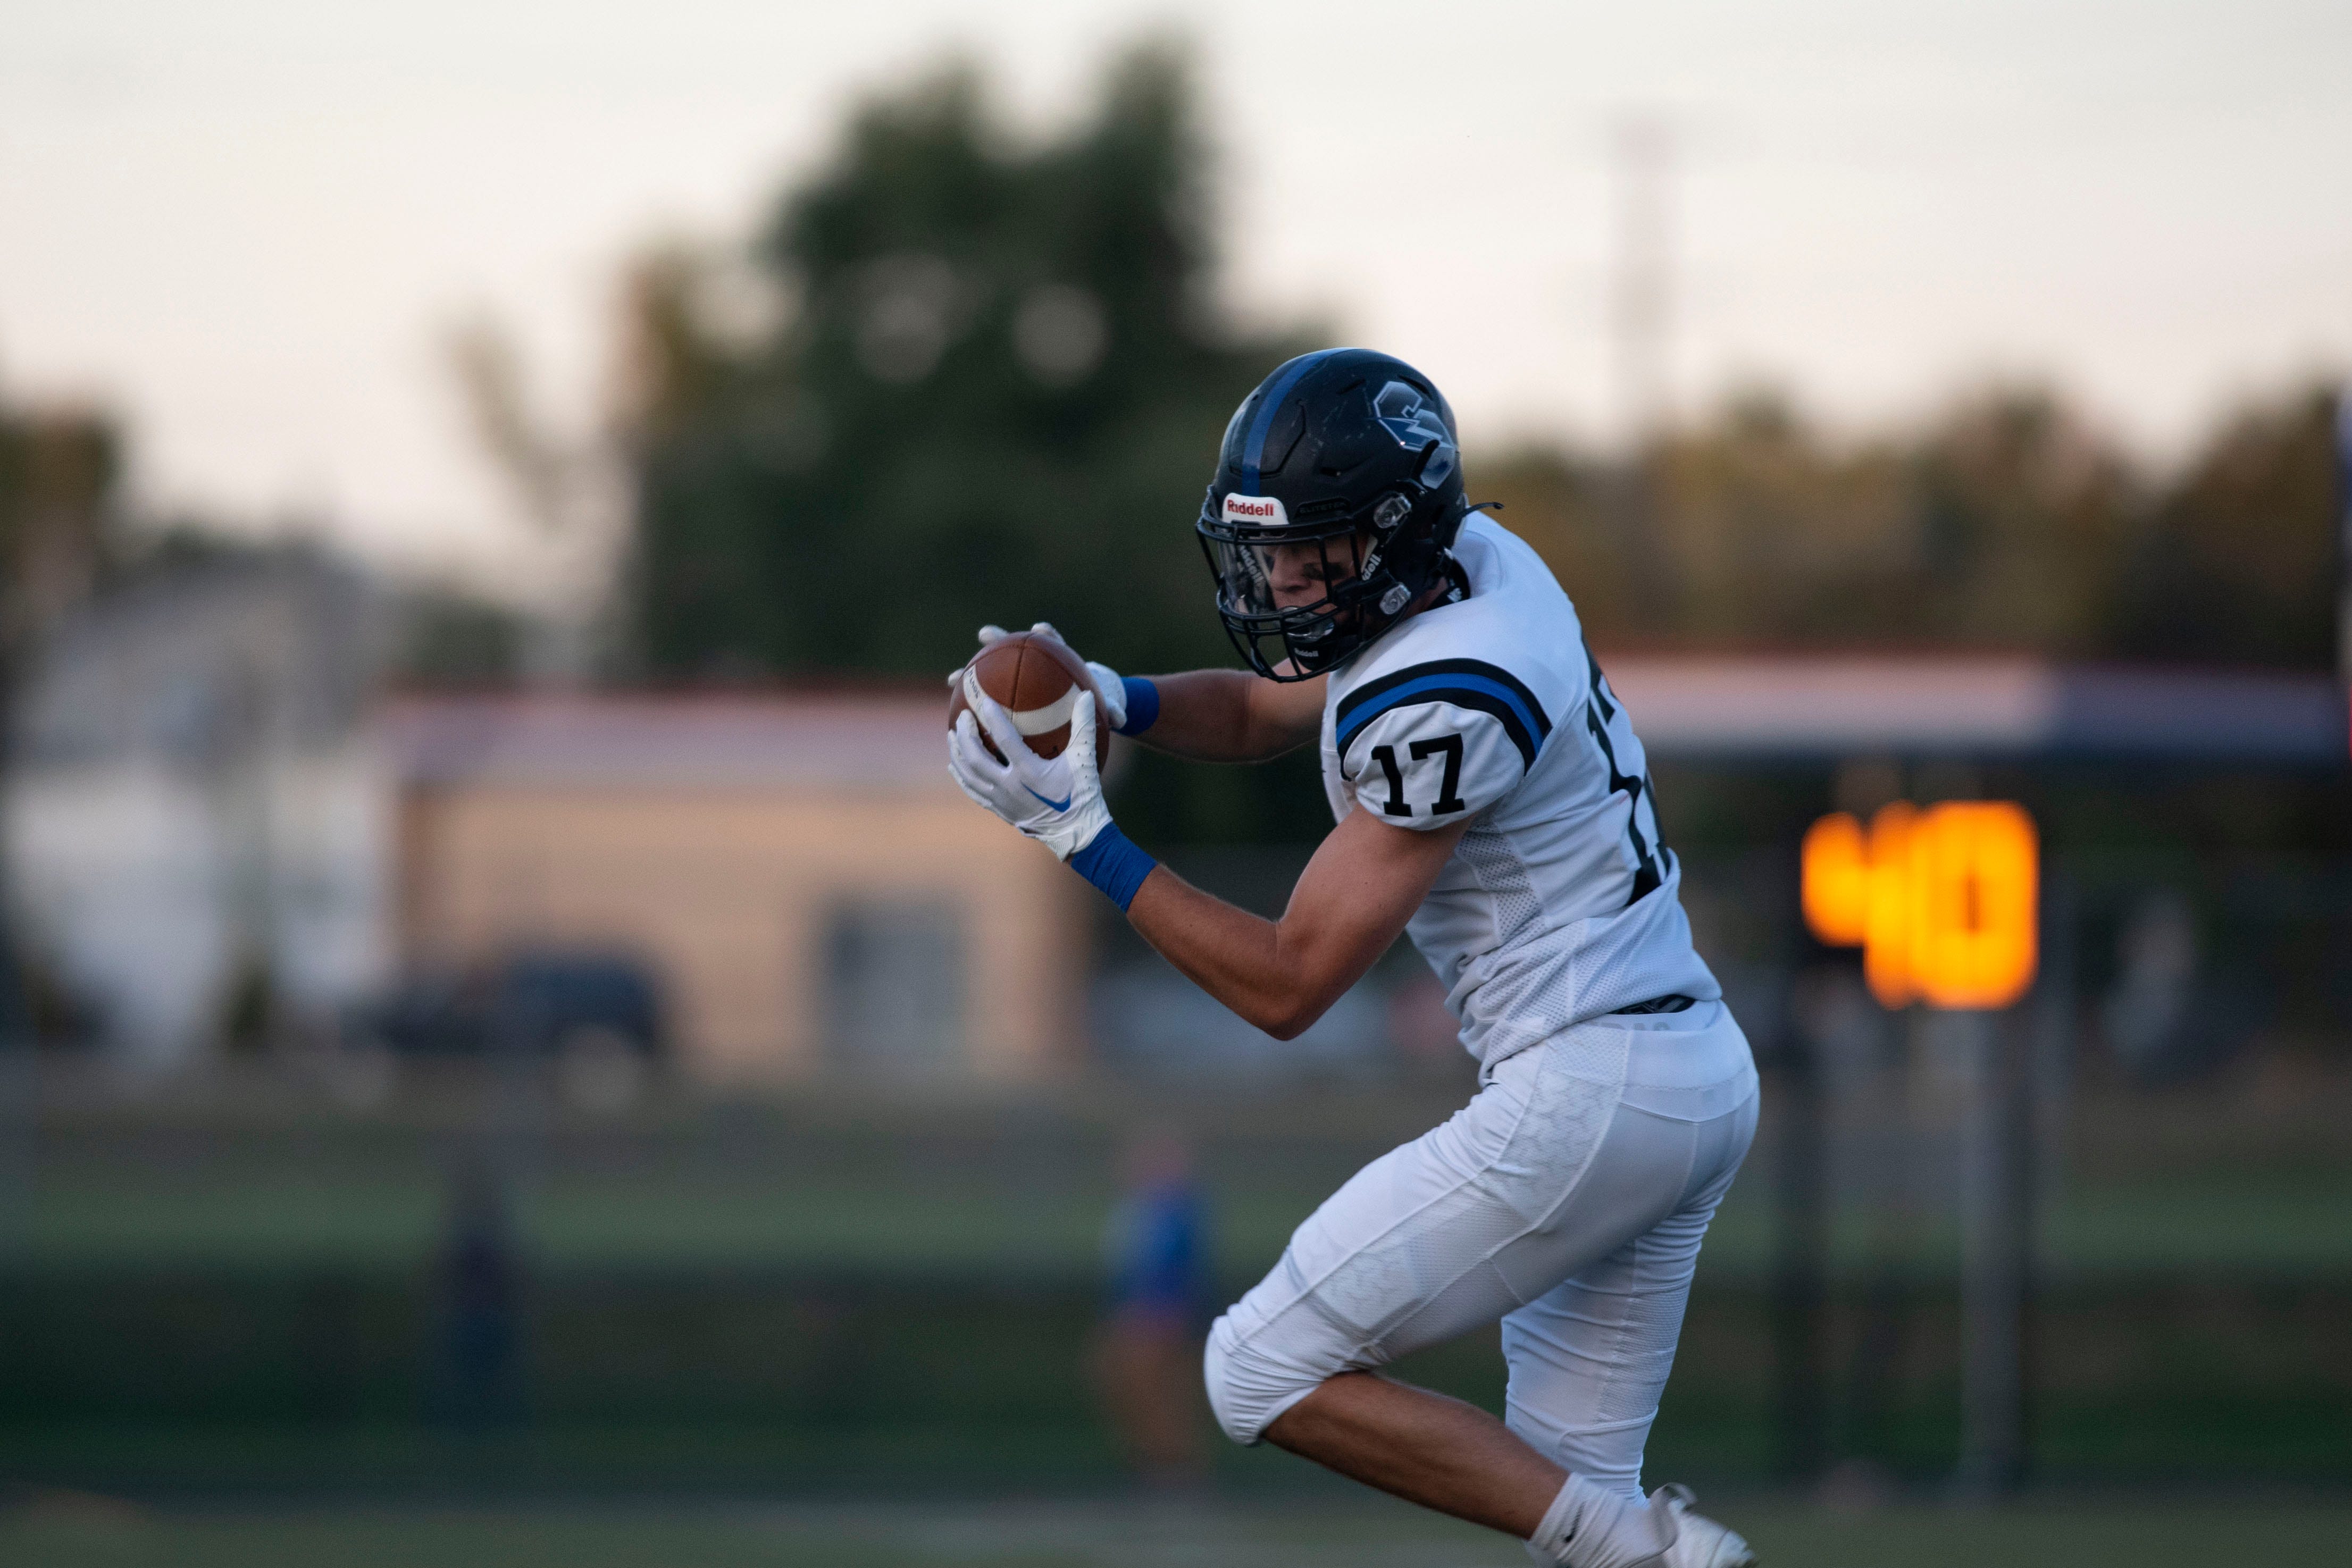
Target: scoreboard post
[[2344, 543], [1944, 902]]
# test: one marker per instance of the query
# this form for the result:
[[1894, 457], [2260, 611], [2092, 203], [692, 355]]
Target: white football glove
[[1107, 680], [1057, 800]]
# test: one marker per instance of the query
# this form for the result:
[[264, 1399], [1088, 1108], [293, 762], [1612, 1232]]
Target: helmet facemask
[[1297, 598]]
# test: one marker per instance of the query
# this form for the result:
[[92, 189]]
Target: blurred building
[[219, 829], [801, 874], [192, 820], [1767, 709], [215, 815]]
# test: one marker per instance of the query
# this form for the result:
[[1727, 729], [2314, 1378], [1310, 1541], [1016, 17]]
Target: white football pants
[[1568, 1198]]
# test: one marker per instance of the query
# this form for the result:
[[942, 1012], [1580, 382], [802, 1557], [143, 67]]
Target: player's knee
[[1247, 1386]]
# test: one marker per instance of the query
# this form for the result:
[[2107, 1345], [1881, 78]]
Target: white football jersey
[[1560, 905]]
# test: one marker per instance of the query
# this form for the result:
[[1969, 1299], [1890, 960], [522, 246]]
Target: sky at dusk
[[248, 226]]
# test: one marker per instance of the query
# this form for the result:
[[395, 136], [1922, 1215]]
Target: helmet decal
[[1256, 511], [1404, 414]]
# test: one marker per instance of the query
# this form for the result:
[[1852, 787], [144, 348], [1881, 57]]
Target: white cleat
[[1692, 1540]]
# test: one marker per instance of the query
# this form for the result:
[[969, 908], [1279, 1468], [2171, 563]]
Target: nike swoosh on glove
[[1057, 800], [1107, 680]]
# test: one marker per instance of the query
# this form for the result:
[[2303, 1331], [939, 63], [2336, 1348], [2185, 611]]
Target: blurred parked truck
[[595, 1016]]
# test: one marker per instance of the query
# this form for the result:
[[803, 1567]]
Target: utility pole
[[1995, 1231], [1642, 294], [1641, 317], [2344, 539], [1801, 1264], [58, 473]]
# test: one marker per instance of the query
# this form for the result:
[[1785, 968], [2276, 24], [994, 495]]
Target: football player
[[1492, 803]]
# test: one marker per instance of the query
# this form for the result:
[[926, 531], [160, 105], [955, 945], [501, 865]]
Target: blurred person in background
[[1492, 799], [479, 1279], [1147, 1355]]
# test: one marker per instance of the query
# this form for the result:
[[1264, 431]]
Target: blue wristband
[[1112, 862], [1142, 705]]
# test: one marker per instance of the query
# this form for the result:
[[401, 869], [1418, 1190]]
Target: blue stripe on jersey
[[1465, 683], [1255, 447]]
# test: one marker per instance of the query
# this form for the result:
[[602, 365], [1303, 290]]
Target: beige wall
[[728, 891]]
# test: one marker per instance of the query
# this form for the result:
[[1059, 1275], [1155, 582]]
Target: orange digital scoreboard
[[1941, 901]]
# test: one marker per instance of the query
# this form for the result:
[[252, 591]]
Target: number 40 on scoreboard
[[1940, 901]]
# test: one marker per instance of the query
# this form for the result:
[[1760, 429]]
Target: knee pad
[[1248, 1387]]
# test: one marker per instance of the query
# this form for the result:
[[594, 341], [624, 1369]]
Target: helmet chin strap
[[1446, 586]]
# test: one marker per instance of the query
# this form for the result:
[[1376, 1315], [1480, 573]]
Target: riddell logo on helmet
[[1258, 511]]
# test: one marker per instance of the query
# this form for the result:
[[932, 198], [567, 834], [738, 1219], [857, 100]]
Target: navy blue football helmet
[[1337, 493]]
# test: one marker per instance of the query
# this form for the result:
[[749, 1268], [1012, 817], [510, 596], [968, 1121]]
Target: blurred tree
[[967, 378], [1984, 528], [60, 473], [61, 478], [995, 395], [1557, 502], [2006, 522], [1777, 535], [2236, 561], [445, 636], [2018, 511]]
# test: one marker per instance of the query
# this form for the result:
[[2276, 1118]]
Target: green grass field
[[236, 1297], [587, 1219], [88, 1533], [2152, 1186]]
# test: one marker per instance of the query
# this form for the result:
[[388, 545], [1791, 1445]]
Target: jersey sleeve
[[1431, 744]]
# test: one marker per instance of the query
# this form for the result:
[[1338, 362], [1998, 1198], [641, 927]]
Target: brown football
[[1037, 679]]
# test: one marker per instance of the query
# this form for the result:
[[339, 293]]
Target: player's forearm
[[1280, 986], [1352, 902], [1228, 715]]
